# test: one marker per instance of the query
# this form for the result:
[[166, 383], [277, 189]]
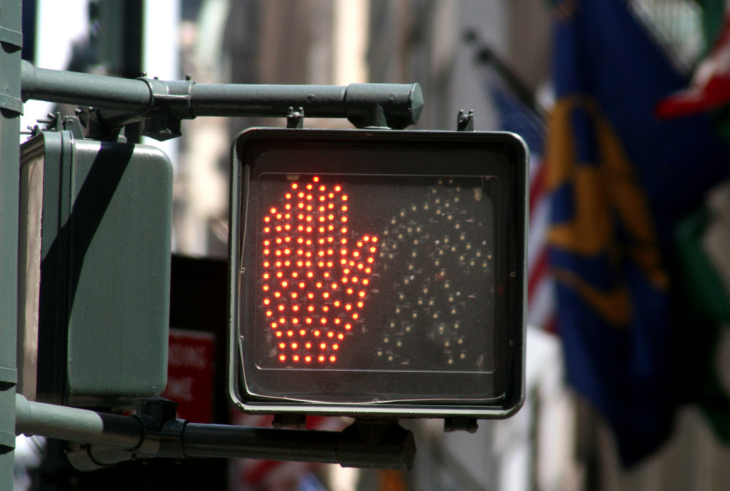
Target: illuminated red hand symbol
[[316, 277]]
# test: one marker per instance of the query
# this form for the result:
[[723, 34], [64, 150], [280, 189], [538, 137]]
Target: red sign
[[190, 371]]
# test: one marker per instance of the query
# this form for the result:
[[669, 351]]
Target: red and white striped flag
[[516, 117]]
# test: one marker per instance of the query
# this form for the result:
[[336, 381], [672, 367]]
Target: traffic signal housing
[[95, 232], [378, 273]]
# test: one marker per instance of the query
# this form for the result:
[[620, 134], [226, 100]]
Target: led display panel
[[377, 272]]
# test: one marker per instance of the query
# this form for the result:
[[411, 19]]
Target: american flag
[[517, 117]]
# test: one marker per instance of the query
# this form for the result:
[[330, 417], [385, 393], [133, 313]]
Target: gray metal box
[[94, 270]]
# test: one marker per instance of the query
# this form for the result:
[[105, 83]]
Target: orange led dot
[[325, 309], [322, 188], [354, 279], [295, 357], [267, 301], [334, 286], [278, 275], [299, 252], [321, 241], [330, 239], [359, 266], [290, 333], [309, 186], [301, 195], [266, 276], [310, 274], [321, 219], [279, 334], [282, 345], [335, 347], [267, 219], [375, 239], [310, 295], [274, 325], [359, 244], [337, 303], [356, 254], [355, 316], [294, 186], [309, 196], [343, 230], [321, 358], [326, 295], [266, 264], [344, 241], [320, 253], [330, 252], [287, 216], [266, 288], [344, 219], [287, 263], [269, 313], [344, 280], [346, 271], [352, 263], [309, 229], [337, 188], [343, 261], [343, 251], [344, 197], [294, 346], [367, 270], [273, 210], [370, 259], [310, 308], [318, 285], [349, 291], [330, 217], [308, 345], [266, 230], [331, 195], [330, 227], [340, 336], [307, 359], [266, 251], [295, 320], [281, 307], [278, 240], [332, 359], [308, 320], [316, 334], [322, 198], [300, 205], [295, 308], [348, 307], [282, 357], [321, 208], [302, 332], [278, 264], [331, 206], [315, 179], [362, 294], [278, 216], [372, 249], [287, 195], [300, 263], [284, 284], [300, 240], [365, 282], [323, 346], [348, 326], [321, 229], [308, 264], [323, 320], [308, 254], [337, 321], [360, 304]]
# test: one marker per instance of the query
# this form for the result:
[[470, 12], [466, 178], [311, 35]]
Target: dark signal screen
[[375, 272]]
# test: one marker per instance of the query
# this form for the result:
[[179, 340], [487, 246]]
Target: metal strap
[[9, 36], [8, 375], [11, 103]]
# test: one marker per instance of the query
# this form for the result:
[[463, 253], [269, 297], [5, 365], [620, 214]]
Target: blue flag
[[620, 180]]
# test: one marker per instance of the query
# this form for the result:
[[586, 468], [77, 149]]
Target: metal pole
[[11, 107], [394, 105]]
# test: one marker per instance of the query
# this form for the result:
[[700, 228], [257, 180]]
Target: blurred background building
[[489, 56]]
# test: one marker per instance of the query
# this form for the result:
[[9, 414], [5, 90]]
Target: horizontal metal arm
[[393, 105], [114, 438]]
